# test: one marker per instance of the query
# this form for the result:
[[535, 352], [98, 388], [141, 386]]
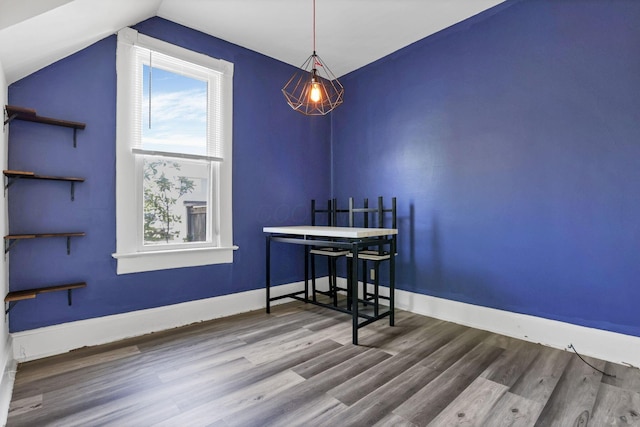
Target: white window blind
[[148, 51]]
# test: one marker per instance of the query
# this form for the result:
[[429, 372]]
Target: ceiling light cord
[[314, 27]]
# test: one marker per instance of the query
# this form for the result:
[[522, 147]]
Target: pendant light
[[313, 90]]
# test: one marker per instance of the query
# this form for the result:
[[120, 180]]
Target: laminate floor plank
[[92, 377], [317, 407], [333, 358], [403, 338], [457, 348], [472, 405], [68, 408], [209, 373], [250, 376], [573, 398], [512, 363], [353, 389], [301, 396], [271, 348], [622, 376], [75, 363], [542, 375], [169, 370], [297, 367], [24, 405], [433, 398], [513, 411], [217, 409], [142, 414], [380, 403], [393, 420], [256, 335], [616, 406]]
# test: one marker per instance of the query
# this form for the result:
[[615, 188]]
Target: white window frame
[[131, 255]]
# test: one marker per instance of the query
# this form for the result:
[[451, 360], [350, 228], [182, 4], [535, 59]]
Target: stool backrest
[[374, 216], [320, 216], [366, 216]]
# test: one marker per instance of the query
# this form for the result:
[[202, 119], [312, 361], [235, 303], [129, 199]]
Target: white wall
[[7, 363]]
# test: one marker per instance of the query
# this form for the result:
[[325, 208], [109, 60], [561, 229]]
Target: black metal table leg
[[354, 293], [333, 280], [312, 260], [306, 276], [268, 278], [392, 285]]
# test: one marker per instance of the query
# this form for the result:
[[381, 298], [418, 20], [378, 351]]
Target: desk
[[352, 238]]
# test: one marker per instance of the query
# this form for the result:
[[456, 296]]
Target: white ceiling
[[349, 33]]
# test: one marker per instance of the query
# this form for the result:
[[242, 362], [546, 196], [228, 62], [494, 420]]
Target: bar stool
[[383, 217], [328, 216]]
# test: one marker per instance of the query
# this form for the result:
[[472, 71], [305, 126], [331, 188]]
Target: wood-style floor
[[297, 367]]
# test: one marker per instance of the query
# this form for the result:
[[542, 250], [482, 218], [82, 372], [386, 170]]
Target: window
[[173, 158]]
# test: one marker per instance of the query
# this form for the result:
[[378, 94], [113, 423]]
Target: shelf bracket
[[73, 191], [10, 181], [9, 119], [9, 243], [75, 135], [68, 245], [7, 185], [69, 293], [10, 307]]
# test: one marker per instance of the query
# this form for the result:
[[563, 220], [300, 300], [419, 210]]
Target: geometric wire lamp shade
[[313, 90]]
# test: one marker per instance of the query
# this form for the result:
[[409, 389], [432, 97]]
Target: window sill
[[137, 262]]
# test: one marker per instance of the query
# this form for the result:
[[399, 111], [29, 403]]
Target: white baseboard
[[9, 366], [38, 343], [51, 340], [605, 345]]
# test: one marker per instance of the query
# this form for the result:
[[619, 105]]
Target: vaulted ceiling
[[349, 33]]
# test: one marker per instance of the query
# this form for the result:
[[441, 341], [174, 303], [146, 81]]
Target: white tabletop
[[324, 231]]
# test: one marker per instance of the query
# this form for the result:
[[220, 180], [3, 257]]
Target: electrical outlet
[[372, 274]]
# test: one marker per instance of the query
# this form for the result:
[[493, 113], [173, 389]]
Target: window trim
[[129, 255]]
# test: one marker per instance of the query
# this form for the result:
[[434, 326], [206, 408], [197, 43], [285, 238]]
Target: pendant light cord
[[315, 58]]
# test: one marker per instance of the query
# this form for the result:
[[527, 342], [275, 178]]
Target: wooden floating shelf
[[37, 236], [30, 115], [13, 175], [17, 296], [11, 239], [32, 293], [32, 175]]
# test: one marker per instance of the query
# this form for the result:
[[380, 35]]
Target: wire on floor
[[578, 354]]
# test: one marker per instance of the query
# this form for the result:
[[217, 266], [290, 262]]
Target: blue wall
[[512, 142], [281, 160]]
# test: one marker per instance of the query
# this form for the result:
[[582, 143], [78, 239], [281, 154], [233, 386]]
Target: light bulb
[[315, 94]]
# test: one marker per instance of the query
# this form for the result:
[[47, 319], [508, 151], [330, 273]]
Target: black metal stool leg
[[313, 276], [376, 293], [349, 282], [364, 282], [333, 281]]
